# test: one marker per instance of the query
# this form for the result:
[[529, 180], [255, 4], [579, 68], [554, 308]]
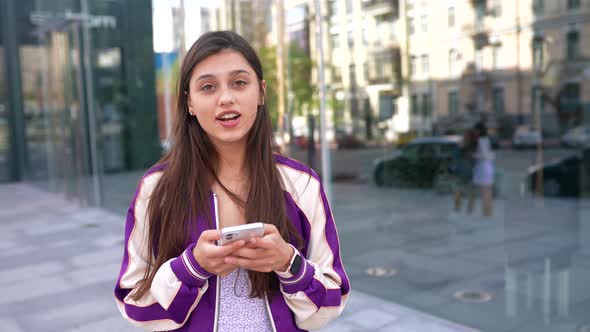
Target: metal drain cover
[[473, 296], [381, 272]]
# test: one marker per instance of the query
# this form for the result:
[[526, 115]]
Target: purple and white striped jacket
[[185, 297]]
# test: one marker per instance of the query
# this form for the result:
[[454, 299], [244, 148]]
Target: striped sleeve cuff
[[188, 270], [295, 283]]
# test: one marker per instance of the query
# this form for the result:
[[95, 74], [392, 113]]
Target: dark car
[[562, 177], [417, 163]]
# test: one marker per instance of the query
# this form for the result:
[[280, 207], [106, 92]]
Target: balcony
[[479, 33], [384, 67], [381, 7]]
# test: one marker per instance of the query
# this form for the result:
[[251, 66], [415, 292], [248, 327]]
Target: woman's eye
[[240, 83], [207, 87]]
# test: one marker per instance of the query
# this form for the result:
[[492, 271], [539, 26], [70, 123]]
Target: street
[[404, 249]]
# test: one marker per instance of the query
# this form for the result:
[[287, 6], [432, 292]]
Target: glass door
[[63, 100]]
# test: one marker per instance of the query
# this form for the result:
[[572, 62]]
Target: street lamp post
[[326, 171]]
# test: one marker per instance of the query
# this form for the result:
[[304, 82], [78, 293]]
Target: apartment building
[[507, 62]]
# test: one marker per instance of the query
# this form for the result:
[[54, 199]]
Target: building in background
[[77, 97], [505, 62], [428, 67]]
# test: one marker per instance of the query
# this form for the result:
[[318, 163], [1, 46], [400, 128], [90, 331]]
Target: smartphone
[[241, 232]]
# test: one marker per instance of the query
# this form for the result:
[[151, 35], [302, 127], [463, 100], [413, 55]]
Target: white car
[[526, 137], [576, 137]]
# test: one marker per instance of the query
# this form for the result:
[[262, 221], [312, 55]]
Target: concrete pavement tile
[[420, 324], [26, 290], [95, 274], [98, 257], [22, 250], [78, 312], [9, 325], [371, 318], [339, 325], [110, 240], [51, 228], [30, 272], [109, 324]]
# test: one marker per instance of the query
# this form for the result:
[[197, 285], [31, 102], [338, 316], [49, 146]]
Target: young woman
[[483, 172], [220, 172]]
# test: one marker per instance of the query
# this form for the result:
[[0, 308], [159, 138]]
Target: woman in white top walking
[[483, 172]]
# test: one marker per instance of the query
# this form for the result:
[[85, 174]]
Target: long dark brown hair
[[183, 191]]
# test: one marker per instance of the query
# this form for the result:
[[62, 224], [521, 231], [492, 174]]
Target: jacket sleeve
[[178, 284], [318, 293]]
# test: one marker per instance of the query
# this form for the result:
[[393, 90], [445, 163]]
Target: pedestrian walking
[[221, 171], [464, 163], [483, 172]]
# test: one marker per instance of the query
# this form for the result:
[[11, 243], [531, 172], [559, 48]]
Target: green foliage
[[268, 57], [304, 92]]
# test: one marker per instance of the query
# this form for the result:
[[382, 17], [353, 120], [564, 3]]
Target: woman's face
[[224, 95]]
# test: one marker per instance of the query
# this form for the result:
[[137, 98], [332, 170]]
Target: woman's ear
[[188, 103], [263, 95]]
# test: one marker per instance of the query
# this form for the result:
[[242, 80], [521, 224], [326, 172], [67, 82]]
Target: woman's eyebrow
[[231, 73]]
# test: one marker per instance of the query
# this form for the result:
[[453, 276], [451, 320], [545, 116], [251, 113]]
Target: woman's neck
[[232, 162]]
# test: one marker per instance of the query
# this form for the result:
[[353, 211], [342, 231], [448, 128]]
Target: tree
[[300, 66], [268, 57]]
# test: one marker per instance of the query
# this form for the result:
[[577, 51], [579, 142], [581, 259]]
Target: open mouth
[[228, 117]]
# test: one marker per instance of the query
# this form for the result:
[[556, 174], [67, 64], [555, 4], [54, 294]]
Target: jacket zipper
[[216, 322]]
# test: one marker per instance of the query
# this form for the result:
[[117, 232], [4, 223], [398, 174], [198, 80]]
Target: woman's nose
[[226, 98]]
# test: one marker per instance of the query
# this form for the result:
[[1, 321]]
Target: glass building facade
[[77, 95]]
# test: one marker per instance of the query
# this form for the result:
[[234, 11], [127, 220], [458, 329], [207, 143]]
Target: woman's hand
[[211, 257], [270, 253]]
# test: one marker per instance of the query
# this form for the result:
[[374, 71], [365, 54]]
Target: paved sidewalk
[[58, 263]]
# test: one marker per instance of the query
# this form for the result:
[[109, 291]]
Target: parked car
[[562, 177], [526, 137], [576, 137], [417, 163]]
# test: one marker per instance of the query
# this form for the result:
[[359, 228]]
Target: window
[[537, 104], [352, 74], [424, 23], [538, 53], [538, 7], [414, 104], [411, 26], [333, 8], [478, 60], [453, 56], [498, 101], [413, 65], [335, 41], [453, 106], [349, 6], [480, 12], [426, 104], [451, 17], [496, 8], [411, 151], [350, 39], [573, 4], [570, 100], [425, 64], [573, 45], [496, 56], [386, 106], [366, 70]]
